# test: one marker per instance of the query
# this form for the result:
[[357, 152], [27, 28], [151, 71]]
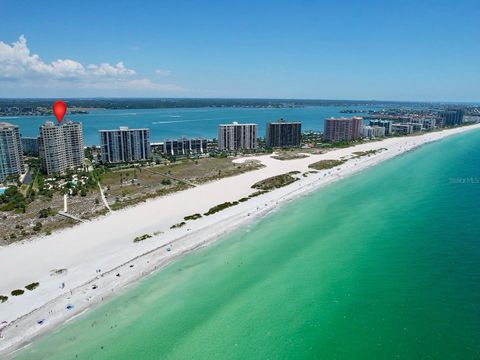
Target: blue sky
[[386, 50]]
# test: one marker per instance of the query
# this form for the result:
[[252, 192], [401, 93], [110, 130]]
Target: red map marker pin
[[59, 109]]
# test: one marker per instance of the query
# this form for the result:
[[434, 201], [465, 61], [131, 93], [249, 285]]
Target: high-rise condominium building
[[425, 123], [283, 134], [387, 124], [30, 145], [11, 155], [342, 129], [237, 136], [416, 127], [378, 131], [452, 117], [185, 146], [74, 143], [373, 131], [60, 147], [125, 145], [402, 129]]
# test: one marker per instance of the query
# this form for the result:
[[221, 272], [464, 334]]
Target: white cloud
[[16, 62], [106, 69], [163, 72], [18, 65]]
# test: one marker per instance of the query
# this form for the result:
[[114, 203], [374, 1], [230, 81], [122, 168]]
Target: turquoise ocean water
[[172, 123], [382, 265]]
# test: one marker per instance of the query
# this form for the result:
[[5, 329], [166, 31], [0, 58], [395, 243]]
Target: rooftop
[[283, 121], [7, 125], [345, 118], [122, 128], [235, 123]]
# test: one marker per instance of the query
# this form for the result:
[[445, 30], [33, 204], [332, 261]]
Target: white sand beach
[[106, 243]]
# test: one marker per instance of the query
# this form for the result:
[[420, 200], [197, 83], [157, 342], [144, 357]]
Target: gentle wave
[[199, 120], [111, 114], [181, 121]]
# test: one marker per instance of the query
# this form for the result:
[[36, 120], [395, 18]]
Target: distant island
[[354, 111], [21, 109], [35, 106]]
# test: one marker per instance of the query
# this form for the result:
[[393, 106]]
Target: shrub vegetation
[[32, 286], [220, 207], [17, 292], [179, 225], [141, 238], [192, 217], [275, 182], [326, 164]]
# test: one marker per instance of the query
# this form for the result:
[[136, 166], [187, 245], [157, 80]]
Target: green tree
[[12, 199]]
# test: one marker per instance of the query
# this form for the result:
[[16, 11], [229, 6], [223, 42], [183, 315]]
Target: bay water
[[194, 122]]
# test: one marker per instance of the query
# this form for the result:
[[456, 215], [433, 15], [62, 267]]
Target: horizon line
[[245, 98]]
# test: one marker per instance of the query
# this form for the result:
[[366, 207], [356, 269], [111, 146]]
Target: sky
[[404, 50]]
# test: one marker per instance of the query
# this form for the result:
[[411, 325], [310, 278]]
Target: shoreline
[[133, 262]]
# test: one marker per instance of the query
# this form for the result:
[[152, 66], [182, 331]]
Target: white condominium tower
[[61, 147], [237, 136], [11, 154], [124, 145], [74, 143]]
